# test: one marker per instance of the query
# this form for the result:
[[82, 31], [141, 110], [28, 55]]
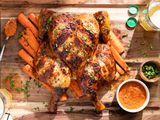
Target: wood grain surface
[[117, 2], [139, 47]]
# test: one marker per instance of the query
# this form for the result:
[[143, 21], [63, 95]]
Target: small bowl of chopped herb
[[150, 71]]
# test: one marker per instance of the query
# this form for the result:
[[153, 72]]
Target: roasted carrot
[[28, 70], [119, 59], [99, 105], [33, 18], [26, 57], [27, 24], [117, 76], [119, 69], [116, 43], [26, 46], [37, 18], [76, 89], [64, 97], [32, 41]]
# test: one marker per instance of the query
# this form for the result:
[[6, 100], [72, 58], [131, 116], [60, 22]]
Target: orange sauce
[[10, 28], [132, 95]]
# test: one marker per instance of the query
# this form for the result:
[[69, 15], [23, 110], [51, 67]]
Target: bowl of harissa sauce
[[132, 95]]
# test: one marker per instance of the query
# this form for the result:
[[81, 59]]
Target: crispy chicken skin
[[51, 70], [70, 50], [72, 41]]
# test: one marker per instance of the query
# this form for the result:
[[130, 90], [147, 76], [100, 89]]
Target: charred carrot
[[76, 89], [119, 69], [33, 18], [27, 47], [32, 41], [115, 42], [27, 24], [119, 59], [26, 57]]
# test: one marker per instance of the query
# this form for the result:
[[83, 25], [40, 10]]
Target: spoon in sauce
[[9, 30]]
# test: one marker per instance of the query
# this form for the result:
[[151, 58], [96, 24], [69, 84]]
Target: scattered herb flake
[[90, 29], [64, 46], [84, 38], [68, 51], [36, 108], [24, 89], [92, 44], [104, 28], [125, 35], [49, 19], [56, 32], [71, 109], [19, 35], [12, 84], [37, 84], [9, 77], [46, 105], [152, 111], [19, 90], [62, 27], [78, 51], [46, 28], [11, 80]]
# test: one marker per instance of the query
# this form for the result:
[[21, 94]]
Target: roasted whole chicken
[[71, 55]]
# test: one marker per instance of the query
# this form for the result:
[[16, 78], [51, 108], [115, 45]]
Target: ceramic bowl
[[144, 77], [147, 96]]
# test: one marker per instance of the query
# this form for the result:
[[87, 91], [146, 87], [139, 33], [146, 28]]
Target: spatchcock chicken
[[71, 55]]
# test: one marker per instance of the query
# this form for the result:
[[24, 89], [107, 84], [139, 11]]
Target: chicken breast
[[72, 41]]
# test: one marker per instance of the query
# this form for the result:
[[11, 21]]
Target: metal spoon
[[9, 33], [4, 45]]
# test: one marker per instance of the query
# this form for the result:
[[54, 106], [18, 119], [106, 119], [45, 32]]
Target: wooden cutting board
[[139, 47]]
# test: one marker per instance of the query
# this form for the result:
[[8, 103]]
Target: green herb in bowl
[[150, 70]]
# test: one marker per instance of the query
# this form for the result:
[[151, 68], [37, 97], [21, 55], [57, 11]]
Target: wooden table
[[139, 47]]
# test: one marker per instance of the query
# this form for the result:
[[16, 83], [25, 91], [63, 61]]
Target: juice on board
[[150, 16], [5, 101]]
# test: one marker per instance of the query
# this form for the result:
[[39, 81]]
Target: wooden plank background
[[117, 2], [138, 49]]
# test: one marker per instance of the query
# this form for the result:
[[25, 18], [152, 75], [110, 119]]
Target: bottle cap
[[131, 22], [133, 9]]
